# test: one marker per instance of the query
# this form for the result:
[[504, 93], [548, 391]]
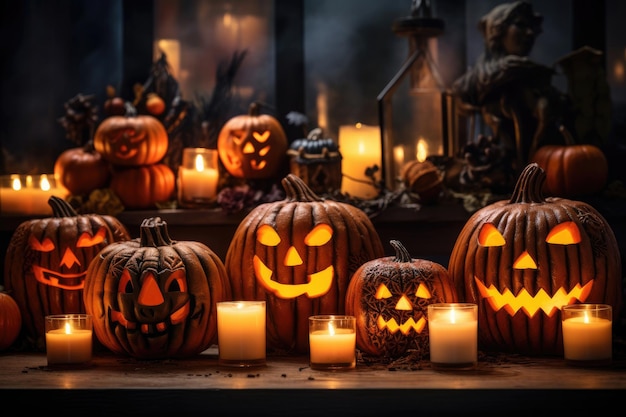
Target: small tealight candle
[[241, 333], [453, 335], [68, 339], [198, 177], [332, 342], [587, 333]]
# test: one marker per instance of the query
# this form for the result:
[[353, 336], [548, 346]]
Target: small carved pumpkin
[[298, 254], [317, 161], [522, 259], [572, 170], [153, 297], [10, 321], [253, 145], [47, 260], [131, 140], [389, 298], [144, 186]]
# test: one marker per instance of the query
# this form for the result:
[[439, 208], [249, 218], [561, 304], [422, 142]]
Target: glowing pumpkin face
[[252, 146], [389, 298], [522, 260], [47, 261], [156, 298], [298, 255]]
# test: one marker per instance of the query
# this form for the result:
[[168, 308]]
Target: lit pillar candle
[[241, 333], [453, 335], [332, 342], [198, 177], [360, 149], [587, 333], [68, 339], [28, 194]]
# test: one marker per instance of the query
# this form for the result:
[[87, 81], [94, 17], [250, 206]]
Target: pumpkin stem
[[254, 109], [315, 134], [297, 190], [61, 208], [402, 255], [154, 233], [528, 188]]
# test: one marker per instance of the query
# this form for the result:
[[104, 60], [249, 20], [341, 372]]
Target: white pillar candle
[[28, 194], [68, 339], [453, 335], [198, 177], [360, 149], [587, 333], [332, 342], [241, 333]]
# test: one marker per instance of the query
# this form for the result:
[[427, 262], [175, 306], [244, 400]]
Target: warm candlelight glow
[[68, 339], [360, 148], [587, 333], [453, 335], [198, 177], [23, 194], [241, 333], [332, 342], [422, 150]]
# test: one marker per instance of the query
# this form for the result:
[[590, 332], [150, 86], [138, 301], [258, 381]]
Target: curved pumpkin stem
[[297, 190], [528, 188], [402, 255], [61, 208], [154, 233]]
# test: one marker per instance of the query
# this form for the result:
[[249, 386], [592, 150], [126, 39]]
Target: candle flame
[[452, 315], [586, 317], [199, 163], [331, 329], [68, 328], [44, 183], [422, 150], [16, 184]]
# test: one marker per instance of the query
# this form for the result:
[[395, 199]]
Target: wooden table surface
[[116, 385]]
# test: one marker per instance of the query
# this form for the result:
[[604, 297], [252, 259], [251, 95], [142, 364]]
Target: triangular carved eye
[[490, 236], [267, 236], [422, 292], [320, 235], [261, 137], [565, 233], [382, 292]]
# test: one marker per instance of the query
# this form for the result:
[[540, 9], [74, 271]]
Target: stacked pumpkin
[[135, 145]]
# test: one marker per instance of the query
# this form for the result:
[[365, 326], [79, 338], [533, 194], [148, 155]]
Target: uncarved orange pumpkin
[[10, 321], [144, 186], [82, 170], [572, 170]]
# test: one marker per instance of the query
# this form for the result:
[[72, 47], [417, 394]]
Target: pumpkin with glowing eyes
[[522, 259], [253, 145], [155, 298], [47, 260], [298, 255], [389, 297]]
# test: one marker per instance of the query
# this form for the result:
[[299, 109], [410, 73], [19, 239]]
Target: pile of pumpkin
[[154, 297]]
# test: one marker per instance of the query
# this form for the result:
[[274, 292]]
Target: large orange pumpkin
[[253, 145], [522, 259], [47, 260], [572, 170], [131, 140], [298, 254], [154, 297], [389, 297]]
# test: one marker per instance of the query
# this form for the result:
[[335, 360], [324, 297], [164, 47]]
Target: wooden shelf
[[117, 385]]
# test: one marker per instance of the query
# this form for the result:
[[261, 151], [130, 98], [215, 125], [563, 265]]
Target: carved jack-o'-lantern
[[47, 260], [522, 259], [298, 254], [389, 298], [253, 145], [154, 297]]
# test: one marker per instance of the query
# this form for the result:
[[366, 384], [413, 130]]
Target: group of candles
[[28, 194], [452, 327]]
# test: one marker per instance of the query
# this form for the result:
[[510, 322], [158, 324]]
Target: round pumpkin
[[144, 186], [422, 179], [131, 140], [154, 297], [298, 254], [47, 259], [10, 321], [389, 297], [82, 170], [522, 259], [572, 170], [253, 145]]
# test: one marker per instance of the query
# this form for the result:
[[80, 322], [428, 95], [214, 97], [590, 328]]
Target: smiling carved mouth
[[71, 282], [318, 285], [150, 329], [393, 326]]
